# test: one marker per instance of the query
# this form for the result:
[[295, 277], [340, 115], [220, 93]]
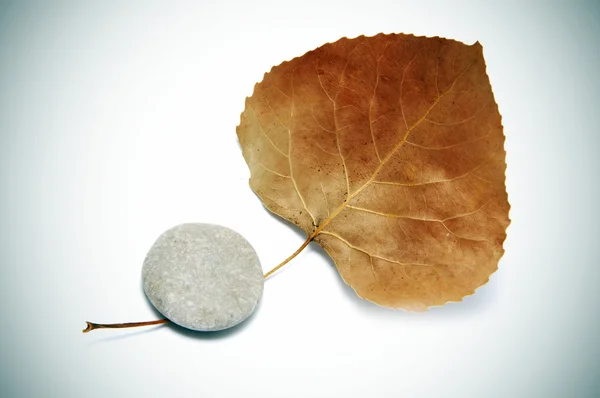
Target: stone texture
[[203, 276]]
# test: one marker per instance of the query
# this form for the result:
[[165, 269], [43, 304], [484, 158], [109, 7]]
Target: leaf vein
[[453, 145], [418, 184], [273, 171], [290, 157], [371, 112], [350, 245], [266, 136], [389, 215]]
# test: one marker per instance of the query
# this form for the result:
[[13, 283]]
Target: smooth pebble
[[203, 276]]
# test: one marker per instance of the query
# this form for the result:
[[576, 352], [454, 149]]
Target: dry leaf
[[388, 152]]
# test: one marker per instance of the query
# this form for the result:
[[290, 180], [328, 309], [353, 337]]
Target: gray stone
[[203, 276]]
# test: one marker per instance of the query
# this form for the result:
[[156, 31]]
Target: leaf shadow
[[138, 332], [145, 330]]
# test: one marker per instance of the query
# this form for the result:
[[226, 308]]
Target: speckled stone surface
[[203, 276]]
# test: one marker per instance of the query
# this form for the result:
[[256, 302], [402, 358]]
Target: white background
[[118, 121]]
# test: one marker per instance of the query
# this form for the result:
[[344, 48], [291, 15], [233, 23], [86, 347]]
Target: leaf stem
[[287, 260], [310, 237], [92, 326]]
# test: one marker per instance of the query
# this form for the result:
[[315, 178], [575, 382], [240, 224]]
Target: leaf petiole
[[287, 260], [92, 326]]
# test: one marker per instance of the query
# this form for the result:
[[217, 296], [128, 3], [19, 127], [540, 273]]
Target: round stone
[[203, 276]]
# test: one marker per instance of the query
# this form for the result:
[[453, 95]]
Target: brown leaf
[[388, 152]]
